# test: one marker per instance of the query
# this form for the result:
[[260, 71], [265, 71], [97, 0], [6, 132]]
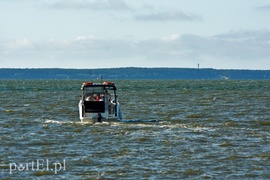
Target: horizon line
[[65, 68]]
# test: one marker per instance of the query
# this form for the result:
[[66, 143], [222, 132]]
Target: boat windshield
[[96, 93], [94, 90]]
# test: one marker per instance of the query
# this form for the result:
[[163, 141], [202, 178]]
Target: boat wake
[[51, 121], [139, 121]]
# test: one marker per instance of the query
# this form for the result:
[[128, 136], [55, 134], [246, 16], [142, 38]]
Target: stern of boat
[[97, 112]]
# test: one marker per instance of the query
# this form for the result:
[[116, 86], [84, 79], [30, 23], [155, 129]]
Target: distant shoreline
[[132, 73]]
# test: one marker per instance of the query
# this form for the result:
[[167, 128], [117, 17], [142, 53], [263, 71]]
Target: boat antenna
[[101, 78]]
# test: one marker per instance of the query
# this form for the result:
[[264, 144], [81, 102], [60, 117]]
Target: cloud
[[154, 13], [171, 37], [94, 5], [239, 47], [175, 15], [17, 44], [264, 8]]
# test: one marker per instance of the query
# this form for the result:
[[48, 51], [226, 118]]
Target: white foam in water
[[58, 122]]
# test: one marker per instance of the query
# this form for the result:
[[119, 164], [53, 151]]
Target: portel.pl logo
[[38, 165]]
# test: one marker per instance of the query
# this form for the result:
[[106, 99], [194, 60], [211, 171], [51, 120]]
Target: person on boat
[[95, 97], [107, 96], [107, 99]]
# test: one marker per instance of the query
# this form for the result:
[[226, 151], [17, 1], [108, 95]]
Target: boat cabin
[[99, 100]]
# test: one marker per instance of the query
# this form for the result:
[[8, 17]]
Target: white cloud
[[85, 38], [172, 50], [171, 37], [70, 4], [154, 13], [17, 44], [219, 48], [88, 4], [168, 15]]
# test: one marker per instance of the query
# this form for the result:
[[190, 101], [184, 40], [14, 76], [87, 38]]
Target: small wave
[[57, 122], [104, 122], [51, 121], [139, 121]]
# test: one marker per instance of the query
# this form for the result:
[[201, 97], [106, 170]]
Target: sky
[[231, 34]]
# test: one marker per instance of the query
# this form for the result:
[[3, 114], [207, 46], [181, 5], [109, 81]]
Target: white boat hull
[[99, 117]]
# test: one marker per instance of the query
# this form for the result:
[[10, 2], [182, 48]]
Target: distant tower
[[198, 66]]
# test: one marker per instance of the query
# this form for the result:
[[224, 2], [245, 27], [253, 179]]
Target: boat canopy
[[105, 85]]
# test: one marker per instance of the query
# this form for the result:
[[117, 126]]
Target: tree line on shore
[[132, 73]]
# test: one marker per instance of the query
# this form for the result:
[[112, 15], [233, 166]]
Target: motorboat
[[99, 102]]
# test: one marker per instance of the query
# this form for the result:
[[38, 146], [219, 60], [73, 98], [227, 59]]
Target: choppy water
[[172, 130]]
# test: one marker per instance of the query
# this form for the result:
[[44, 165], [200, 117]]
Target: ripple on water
[[185, 130]]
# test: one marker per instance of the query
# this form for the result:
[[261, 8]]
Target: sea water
[[173, 129]]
